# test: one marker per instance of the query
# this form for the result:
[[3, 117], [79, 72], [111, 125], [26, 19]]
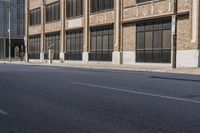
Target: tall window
[[53, 41], [53, 12], [34, 47], [74, 45], [35, 17], [74, 8], [100, 5], [154, 41], [101, 43]]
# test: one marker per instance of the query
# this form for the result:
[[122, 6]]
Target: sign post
[[174, 35]]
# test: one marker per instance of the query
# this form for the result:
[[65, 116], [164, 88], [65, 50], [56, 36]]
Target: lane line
[[3, 112], [137, 92]]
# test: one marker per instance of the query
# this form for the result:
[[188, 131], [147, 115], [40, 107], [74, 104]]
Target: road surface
[[38, 99]]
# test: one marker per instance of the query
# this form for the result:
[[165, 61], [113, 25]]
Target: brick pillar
[[42, 39], [26, 29], [86, 32], [117, 34], [62, 35]]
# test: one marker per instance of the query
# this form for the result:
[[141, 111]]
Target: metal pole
[[174, 34], [9, 32], [27, 31]]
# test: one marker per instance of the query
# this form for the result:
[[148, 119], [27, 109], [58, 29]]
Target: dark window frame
[[74, 46], [52, 39], [74, 8], [34, 47], [101, 5], [53, 12], [155, 54], [99, 51], [35, 17]]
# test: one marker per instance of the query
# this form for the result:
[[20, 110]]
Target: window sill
[[50, 22], [68, 18], [103, 11], [34, 25]]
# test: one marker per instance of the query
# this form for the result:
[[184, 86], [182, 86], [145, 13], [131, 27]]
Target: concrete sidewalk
[[109, 66]]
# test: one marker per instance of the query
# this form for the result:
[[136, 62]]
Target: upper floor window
[[35, 17], [100, 5], [20, 2], [74, 8], [53, 12], [140, 1]]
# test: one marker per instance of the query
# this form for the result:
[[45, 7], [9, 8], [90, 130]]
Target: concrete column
[[26, 37], [86, 31], [62, 36], [195, 21], [195, 26], [42, 39], [117, 33]]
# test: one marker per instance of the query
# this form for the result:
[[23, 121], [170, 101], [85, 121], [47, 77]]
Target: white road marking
[[3, 112], [137, 92]]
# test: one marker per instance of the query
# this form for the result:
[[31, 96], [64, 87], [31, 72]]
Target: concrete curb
[[193, 71]]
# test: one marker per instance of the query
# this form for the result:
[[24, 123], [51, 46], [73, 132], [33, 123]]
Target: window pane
[[157, 39], [148, 40], [101, 43], [167, 39], [53, 12], [140, 40], [93, 44]]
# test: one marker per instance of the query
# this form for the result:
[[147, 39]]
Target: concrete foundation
[[188, 58], [42, 57], [128, 57], [117, 57], [62, 57], [85, 57]]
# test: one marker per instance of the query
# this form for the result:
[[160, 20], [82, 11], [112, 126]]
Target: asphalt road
[[38, 99]]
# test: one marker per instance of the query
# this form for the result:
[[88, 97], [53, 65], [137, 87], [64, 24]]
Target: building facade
[[114, 31], [17, 12]]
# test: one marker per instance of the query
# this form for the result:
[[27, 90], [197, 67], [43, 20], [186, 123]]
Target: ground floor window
[[74, 47], [34, 47], [154, 41], [101, 43], [53, 42]]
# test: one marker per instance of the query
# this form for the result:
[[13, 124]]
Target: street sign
[[173, 25]]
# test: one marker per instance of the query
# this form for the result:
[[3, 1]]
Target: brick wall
[[129, 37]]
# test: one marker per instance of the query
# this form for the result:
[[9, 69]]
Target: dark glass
[[154, 41], [53, 41], [35, 17], [101, 45], [100, 5], [53, 12], [74, 8], [74, 45], [34, 47]]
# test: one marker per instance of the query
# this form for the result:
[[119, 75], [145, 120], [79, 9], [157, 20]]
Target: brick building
[[113, 31]]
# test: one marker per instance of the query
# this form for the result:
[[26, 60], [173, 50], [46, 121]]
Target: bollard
[[51, 55]]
